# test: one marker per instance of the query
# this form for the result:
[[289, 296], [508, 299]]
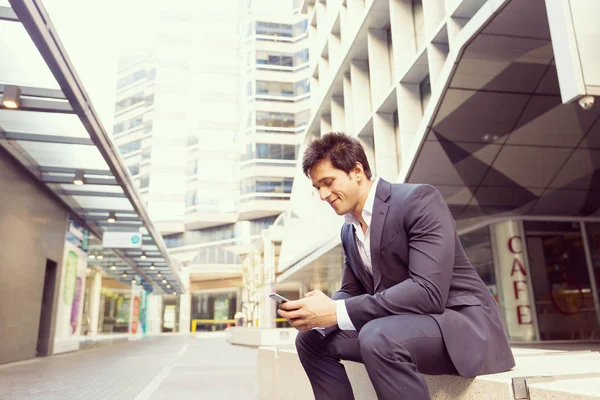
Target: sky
[[87, 31]]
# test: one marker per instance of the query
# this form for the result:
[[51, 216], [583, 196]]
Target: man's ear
[[358, 171]]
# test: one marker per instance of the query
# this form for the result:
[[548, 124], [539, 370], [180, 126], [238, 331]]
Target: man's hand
[[316, 310]]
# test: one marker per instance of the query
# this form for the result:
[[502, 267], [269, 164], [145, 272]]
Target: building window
[[560, 280], [148, 124], [146, 152], [273, 29], [593, 234], [145, 181], [129, 101], [134, 169], [284, 89], [118, 128], [191, 198], [299, 28], [266, 185], [282, 59], [271, 151], [130, 147], [131, 78]]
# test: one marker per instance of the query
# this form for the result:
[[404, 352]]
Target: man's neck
[[364, 194]]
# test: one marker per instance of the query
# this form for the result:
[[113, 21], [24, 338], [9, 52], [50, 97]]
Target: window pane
[[275, 151], [301, 57], [262, 150], [289, 152], [130, 147], [287, 61], [274, 59]]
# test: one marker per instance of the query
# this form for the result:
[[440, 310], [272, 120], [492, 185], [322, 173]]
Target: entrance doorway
[[561, 282], [47, 310]]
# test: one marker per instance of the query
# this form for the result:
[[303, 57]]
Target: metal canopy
[[56, 134], [501, 142]]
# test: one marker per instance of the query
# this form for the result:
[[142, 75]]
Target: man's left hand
[[316, 310]]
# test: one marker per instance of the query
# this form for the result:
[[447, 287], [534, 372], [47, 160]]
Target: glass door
[[561, 281]]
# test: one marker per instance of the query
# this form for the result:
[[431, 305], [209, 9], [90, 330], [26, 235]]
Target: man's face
[[339, 189]]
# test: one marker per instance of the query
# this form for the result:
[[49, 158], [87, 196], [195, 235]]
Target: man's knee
[[371, 338], [306, 341], [375, 341]]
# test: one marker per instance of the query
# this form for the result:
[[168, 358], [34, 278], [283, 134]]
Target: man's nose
[[324, 193]]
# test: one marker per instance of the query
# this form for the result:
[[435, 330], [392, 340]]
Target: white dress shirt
[[363, 243]]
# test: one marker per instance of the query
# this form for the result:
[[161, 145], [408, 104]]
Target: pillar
[[267, 306], [95, 296], [185, 312]]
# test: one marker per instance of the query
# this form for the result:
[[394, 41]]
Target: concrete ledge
[[257, 337], [572, 374]]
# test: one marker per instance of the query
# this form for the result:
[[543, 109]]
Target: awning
[[49, 125], [500, 139]]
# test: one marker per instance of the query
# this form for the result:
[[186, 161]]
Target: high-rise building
[[210, 112], [177, 113]]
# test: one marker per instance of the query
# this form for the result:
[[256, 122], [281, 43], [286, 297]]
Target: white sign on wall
[[514, 280], [122, 240]]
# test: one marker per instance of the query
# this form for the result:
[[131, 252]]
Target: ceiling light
[[133, 281], [99, 256], [79, 178], [11, 98], [113, 267], [175, 293], [143, 256], [164, 281], [112, 218], [158, 275], [152, 267], [168, 286], [91, 256], [124, 275]]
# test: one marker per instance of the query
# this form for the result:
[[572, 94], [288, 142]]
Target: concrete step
[[568, 375], [257, 337]]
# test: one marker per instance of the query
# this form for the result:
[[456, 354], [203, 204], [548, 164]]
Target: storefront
[[212, 306], [544, 275]]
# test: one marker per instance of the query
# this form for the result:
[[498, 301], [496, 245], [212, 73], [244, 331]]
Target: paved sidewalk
[[176, 367]]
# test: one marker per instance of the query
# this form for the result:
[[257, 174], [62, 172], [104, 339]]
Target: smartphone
[[279, 299]]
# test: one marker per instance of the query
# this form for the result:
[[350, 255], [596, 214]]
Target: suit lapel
[[380, 209]]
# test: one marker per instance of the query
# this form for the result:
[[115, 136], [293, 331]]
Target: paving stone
[[164, 367]]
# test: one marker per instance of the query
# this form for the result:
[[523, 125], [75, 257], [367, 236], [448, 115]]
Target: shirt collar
[[367, 208]]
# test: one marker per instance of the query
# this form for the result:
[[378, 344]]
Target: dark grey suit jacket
[[419, 266]]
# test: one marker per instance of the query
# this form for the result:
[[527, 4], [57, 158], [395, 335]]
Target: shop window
[[561, 281], [478, 247]]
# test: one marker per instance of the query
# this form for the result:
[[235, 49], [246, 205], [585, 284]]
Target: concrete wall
[[32, 230]]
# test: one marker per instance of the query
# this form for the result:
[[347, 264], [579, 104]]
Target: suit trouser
[[395, 351]]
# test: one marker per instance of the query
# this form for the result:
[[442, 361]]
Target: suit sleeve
[[431, 246]]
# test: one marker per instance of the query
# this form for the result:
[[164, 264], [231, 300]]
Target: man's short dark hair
[[342, 150]]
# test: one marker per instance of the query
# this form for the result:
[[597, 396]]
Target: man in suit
[[410, 300]]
